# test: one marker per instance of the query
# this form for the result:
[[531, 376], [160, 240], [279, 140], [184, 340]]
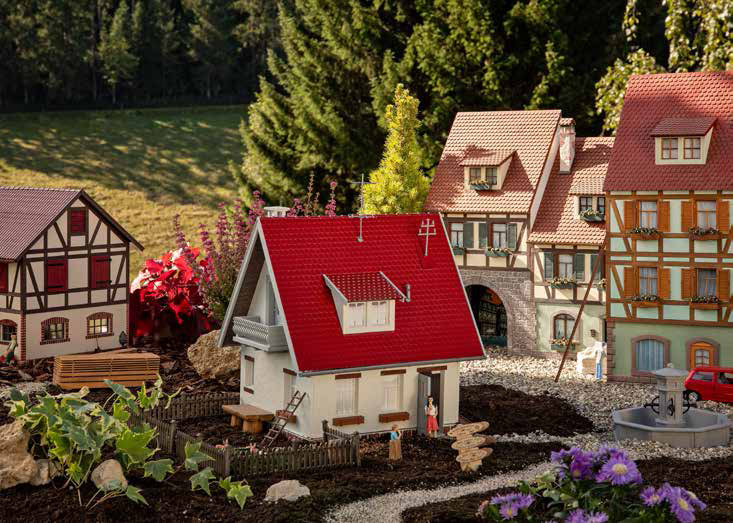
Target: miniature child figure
[[8, 356], [252, 447], [599, 350], [395, 443], [431, 411]]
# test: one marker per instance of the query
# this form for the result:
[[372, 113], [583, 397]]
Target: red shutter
[[100, 272], [723, 216], [663, 216], [686, 284], [631, 215], [3, 277], [688, 216], [56, 272], [77, 221]]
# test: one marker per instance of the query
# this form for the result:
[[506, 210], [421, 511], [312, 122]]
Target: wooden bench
[[249, 416], [131, 369]]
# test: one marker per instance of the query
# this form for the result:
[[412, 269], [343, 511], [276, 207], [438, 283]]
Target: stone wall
[[515, 290]]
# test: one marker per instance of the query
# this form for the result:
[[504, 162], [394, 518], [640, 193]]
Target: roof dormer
[[364, 301], [682, 140], [486, 172]]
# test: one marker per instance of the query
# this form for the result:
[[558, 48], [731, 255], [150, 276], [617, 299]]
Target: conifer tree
[[118, 61], [398, 185]]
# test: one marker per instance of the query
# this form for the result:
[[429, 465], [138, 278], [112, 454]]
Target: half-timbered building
[[64, 273], [669, 190]]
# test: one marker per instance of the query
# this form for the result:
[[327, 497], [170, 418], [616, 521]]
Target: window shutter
[[468, 235], [579, 267], [687, 215], [723, 212], [631, 279], [686, 284], [663, 221], [3, 277], [77, 221], [511, 235], [549, 269], [663, 283], [724, 285], [56, 275], [631, 216], [483, 235], [100, 272]]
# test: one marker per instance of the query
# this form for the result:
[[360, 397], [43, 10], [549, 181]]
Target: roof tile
[[363, 286]]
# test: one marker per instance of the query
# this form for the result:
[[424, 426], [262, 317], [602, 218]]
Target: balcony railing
[[248, 330]]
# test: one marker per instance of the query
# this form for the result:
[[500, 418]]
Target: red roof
[[436, 324], [477, 134], [491, 158], [557, 221], [652, 98], [683, 126], [364, 286]]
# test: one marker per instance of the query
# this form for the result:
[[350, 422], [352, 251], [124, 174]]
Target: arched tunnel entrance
[[490, 315]]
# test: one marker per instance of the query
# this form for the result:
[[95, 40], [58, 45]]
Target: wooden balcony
[[249, 330]]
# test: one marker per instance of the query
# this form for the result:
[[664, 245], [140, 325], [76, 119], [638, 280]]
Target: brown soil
[[215, 429], [510, 411], [711, 481], [427, 463]]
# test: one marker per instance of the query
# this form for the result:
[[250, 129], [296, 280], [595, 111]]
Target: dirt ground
[[214, 430], [711, 481]]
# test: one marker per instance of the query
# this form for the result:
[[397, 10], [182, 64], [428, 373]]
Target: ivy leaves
[[236, 490], [158, 469], [194, 456], [201, 479]]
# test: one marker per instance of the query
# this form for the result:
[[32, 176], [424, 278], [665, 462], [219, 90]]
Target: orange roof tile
[[491, 158], [556, 221], [475, 134]]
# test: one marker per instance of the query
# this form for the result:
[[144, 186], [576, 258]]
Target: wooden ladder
[[282, 419]]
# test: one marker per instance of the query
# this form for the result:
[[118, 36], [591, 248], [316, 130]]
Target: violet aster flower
[[523, 501], [651, 496], [509, 511], [577, 516], [580, 468], [694, 500], [619, 470], [505, 498], [597, 517], [679, 505]]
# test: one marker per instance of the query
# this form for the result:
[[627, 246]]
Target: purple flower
[[506, 498], [577, 516], [651, 496], [694, 500], [679, 504], [523, 501], [509, 511], [597, 517], [580, 468], [619, 470]]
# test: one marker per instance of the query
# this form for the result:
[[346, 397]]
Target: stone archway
[[514, 288]]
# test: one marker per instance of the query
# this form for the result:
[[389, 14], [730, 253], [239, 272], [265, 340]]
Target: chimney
[[567, 144], [274, 210]]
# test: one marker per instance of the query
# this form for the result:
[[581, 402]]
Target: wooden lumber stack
[[130, 369]]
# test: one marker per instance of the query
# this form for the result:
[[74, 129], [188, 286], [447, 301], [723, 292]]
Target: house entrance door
[[423, 391]]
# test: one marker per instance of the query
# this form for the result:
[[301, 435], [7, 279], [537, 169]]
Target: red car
[[710, 384]]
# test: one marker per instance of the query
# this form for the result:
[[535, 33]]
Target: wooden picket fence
[[337, 448]]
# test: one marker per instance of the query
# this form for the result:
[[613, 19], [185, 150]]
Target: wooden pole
[[596, 266]]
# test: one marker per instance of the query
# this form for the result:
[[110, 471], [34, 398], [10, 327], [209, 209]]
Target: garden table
[[251, 417]]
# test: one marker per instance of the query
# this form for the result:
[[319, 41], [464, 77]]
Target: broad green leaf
[[17, 408], [133, 445], [112, 485], [226, 483], [79, 436], [134, 494], [239, 493], [158, 469], [169, 397], [120, 412], [201, 480], [194, 456], [120, 390], [16, 395]]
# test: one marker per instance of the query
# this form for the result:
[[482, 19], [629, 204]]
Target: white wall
[[544, 178]]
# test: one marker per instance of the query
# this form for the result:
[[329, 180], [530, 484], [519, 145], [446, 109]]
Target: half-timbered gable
[[66, 260]]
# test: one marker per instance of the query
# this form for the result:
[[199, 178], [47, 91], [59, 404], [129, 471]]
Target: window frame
[[456, 234], [695, 147], [373, 310], [567, 320], [398, 386], [645, 215], [707, 281], [670, 147], [646, 279], [549, 255], [76, 211], [491, 175], [635, 371], [101, 317], [249, 372], [8, 327], [50, 326], [479, 178], [601, 208], [585, 203], [562, 265], [352, 308], [347, 388], [706, 214]]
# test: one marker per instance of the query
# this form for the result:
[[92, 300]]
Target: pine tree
[[398, 185], [118, 62]]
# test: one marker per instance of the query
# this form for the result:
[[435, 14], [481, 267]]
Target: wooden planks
[[130, 369]]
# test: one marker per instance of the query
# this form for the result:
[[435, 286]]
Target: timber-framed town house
[[64, 273]]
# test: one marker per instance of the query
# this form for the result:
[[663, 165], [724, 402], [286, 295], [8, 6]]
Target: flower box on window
[[562, 283], [704, 233], [709, 303], [498, 251], [559, 343], [481, 186], [590, 215], [645, 300], [458, 250], [394, 416], [644, 233]]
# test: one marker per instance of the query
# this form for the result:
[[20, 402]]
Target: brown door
[[701, 353]]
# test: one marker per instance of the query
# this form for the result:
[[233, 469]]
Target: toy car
[[710, 383]]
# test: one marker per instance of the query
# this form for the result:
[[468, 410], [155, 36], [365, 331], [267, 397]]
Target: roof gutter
[[306, 374]]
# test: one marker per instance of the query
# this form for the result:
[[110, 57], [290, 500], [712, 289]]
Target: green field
[[142, 166]]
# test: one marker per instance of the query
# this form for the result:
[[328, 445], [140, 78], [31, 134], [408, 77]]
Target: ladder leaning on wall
[[281, 419]]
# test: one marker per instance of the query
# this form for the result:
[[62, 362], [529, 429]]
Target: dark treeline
[[97, 53]]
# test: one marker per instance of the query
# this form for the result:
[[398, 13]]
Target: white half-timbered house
[[64, 273]]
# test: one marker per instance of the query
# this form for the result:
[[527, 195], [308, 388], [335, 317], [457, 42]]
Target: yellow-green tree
[[398, 184]]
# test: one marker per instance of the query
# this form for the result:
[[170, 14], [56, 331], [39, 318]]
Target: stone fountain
[[670, 419]]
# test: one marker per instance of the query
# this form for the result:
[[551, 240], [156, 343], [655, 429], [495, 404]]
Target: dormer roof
[[364, 286], [683, 126], [488, 159]]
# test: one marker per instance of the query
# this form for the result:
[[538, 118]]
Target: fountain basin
[[698, 428]]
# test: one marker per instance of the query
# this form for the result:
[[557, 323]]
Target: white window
[[706, 214], [456, 234], [692, 149], [648, 215], [249, 373], [378, 313], [347, 391], [565, 266], [474, 175], [669, 148], [357, 314], [392, 401], [288, 388]]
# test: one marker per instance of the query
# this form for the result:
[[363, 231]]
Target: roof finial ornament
[[361, 183], [427, 229]]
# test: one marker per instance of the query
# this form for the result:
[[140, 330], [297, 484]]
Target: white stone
[[46, 470], [109, 475], [211, 361], [16, 464], [289, 490]]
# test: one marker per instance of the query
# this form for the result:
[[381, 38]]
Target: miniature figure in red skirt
[[8, 357], [431, 411]]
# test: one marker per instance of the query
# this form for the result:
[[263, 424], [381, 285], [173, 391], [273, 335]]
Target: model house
[[64, 273], [366, 315], [566, 245], [669, 190]]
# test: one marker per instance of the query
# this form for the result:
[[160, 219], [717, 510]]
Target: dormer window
[[692, 149], [474, 176], [669, 148], [486, 172], [682, 140], [591, 208]]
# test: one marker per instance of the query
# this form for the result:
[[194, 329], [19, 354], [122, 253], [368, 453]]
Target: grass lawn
[[142, 166]]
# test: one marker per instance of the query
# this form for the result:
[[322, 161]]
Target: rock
[[16, 464], [289, 490], [108, 475], [46, 470], [211, 361], [25, 376]]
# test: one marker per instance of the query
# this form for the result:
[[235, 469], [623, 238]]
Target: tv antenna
[[361, 184], [427, 229]]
